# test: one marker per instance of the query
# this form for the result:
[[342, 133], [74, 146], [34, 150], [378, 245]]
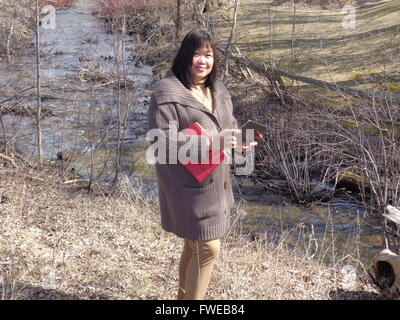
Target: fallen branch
[[393, 215], [262, 69], [10, 160], [76, 181], [16, 95]]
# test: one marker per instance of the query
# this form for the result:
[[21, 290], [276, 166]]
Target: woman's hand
[[226, 139], [245, 148]]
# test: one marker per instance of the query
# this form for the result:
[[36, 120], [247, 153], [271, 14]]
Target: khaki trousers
[[197, 261]]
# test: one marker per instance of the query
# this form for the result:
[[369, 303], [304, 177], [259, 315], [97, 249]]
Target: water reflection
[[78, 71], [340, 228]]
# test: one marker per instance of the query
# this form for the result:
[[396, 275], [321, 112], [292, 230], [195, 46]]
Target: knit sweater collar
[[171, 90]]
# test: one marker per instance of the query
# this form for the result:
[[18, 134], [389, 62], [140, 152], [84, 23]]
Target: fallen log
[[265, 71], [8, 159], [393, 214]]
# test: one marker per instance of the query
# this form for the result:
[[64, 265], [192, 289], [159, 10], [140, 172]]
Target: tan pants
[[197, 261]]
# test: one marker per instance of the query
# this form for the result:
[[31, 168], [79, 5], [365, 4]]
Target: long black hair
[[182, 63]]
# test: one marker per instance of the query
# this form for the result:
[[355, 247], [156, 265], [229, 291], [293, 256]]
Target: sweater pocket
[[200, 203]]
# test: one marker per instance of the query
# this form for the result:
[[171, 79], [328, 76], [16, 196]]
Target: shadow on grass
[[334, 41], [342, 294], [26, 292], [364, 3], [364, 12]]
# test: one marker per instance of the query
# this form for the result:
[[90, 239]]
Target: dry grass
[[17, 23], [59, 4], [110, 8], [355, 57], [60, 242], [13, 28]]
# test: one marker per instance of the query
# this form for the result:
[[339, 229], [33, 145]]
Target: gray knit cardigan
[[191, 209]]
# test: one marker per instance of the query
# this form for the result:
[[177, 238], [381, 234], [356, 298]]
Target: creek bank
[[79, 94], [76, 73]]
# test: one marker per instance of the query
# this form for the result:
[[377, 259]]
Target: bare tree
[[38, 95], [228, 46], [211, 4], [293, 40], [125, 96], [178, 24], [8, 44], [4, 132], [199, 7]]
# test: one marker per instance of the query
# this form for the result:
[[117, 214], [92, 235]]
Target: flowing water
[[330, 230], [82, 116], [79, 97]]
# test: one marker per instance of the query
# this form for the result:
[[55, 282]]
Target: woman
[[196, 211]]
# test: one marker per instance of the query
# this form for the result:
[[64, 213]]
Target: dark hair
[[182, 63]]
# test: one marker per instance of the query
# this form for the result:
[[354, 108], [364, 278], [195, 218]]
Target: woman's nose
[[201, 59]]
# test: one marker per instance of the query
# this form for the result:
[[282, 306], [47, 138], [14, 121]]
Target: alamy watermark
[[49, 20], [170, 147], [349, 20]]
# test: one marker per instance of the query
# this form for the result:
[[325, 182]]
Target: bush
[[58, 4], [148, 19], [112, 8]]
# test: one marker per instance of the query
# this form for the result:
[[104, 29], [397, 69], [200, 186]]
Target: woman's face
[[202, 63]]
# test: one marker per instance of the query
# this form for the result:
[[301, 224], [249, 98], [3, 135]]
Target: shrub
[[58, 4], [112, 8], [148, 19]]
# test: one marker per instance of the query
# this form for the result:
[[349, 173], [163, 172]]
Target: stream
[[80, 115], [78, 102]]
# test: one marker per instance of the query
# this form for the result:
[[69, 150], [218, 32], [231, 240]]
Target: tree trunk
[[178, 20], [198, 9], [39, 103], [8, 44], [228, 46], [211, 4], [4, 133]]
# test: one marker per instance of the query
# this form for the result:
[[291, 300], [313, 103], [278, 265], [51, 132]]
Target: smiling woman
[[197, 211], [202, 64]]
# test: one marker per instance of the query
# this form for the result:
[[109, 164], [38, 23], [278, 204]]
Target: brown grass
[[58, 4], [21, 15], [20, 37], [59, 242], [265, 35]]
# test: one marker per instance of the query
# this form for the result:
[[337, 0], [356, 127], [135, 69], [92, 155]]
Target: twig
[[228, 46], [10, 34], [6, 158], [263, 70], [16, 95], [76, 181]]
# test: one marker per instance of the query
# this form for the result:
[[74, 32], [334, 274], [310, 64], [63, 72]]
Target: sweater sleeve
[[170, 145], [234, 124]]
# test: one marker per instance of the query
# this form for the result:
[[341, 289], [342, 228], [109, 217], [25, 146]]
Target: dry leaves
[[59, 242]]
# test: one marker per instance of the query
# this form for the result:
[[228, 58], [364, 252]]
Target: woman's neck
[[199, 83], [202, 94]]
